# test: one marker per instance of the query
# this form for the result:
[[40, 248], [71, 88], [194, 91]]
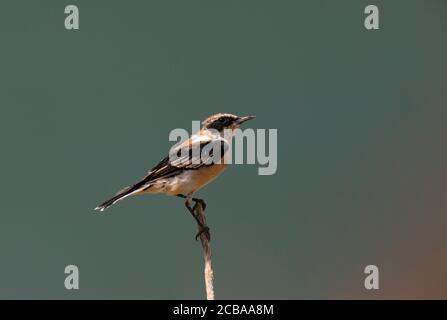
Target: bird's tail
[[119, 196]]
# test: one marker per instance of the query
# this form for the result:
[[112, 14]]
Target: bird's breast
[[192, 180]]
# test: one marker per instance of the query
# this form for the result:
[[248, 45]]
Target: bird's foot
[[196, 200], [203, 230], [202, 203]]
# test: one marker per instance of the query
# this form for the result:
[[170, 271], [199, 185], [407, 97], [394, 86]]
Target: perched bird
[[189, 166]]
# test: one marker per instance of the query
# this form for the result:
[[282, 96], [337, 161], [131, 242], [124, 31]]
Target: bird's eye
[[222, 120]]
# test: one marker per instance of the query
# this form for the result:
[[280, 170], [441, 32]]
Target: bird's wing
[[192, 154]]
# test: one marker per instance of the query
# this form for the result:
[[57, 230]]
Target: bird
[[189, 166]]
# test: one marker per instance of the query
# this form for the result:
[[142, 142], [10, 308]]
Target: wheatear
[[191, 169]]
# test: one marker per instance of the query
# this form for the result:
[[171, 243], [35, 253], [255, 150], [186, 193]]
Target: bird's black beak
[[241, 120]]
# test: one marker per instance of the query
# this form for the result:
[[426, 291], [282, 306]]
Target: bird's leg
[[202, 227], [191, 210]]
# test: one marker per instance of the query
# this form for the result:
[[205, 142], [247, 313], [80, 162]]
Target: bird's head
[[222, 121]]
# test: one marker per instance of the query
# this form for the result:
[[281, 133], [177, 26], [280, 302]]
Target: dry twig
[[205, 240]]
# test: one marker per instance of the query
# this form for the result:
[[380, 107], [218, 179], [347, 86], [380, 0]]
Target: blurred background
[[361, 118]]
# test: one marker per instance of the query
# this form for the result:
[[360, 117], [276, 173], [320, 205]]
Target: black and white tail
[[119, 196]]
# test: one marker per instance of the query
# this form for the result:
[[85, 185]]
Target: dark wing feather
[[189, 157], [194, 156]]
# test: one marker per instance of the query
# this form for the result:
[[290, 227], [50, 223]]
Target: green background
[[361, 118]]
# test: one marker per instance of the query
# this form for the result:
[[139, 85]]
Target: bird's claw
[[204, 230], [202, 203]]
